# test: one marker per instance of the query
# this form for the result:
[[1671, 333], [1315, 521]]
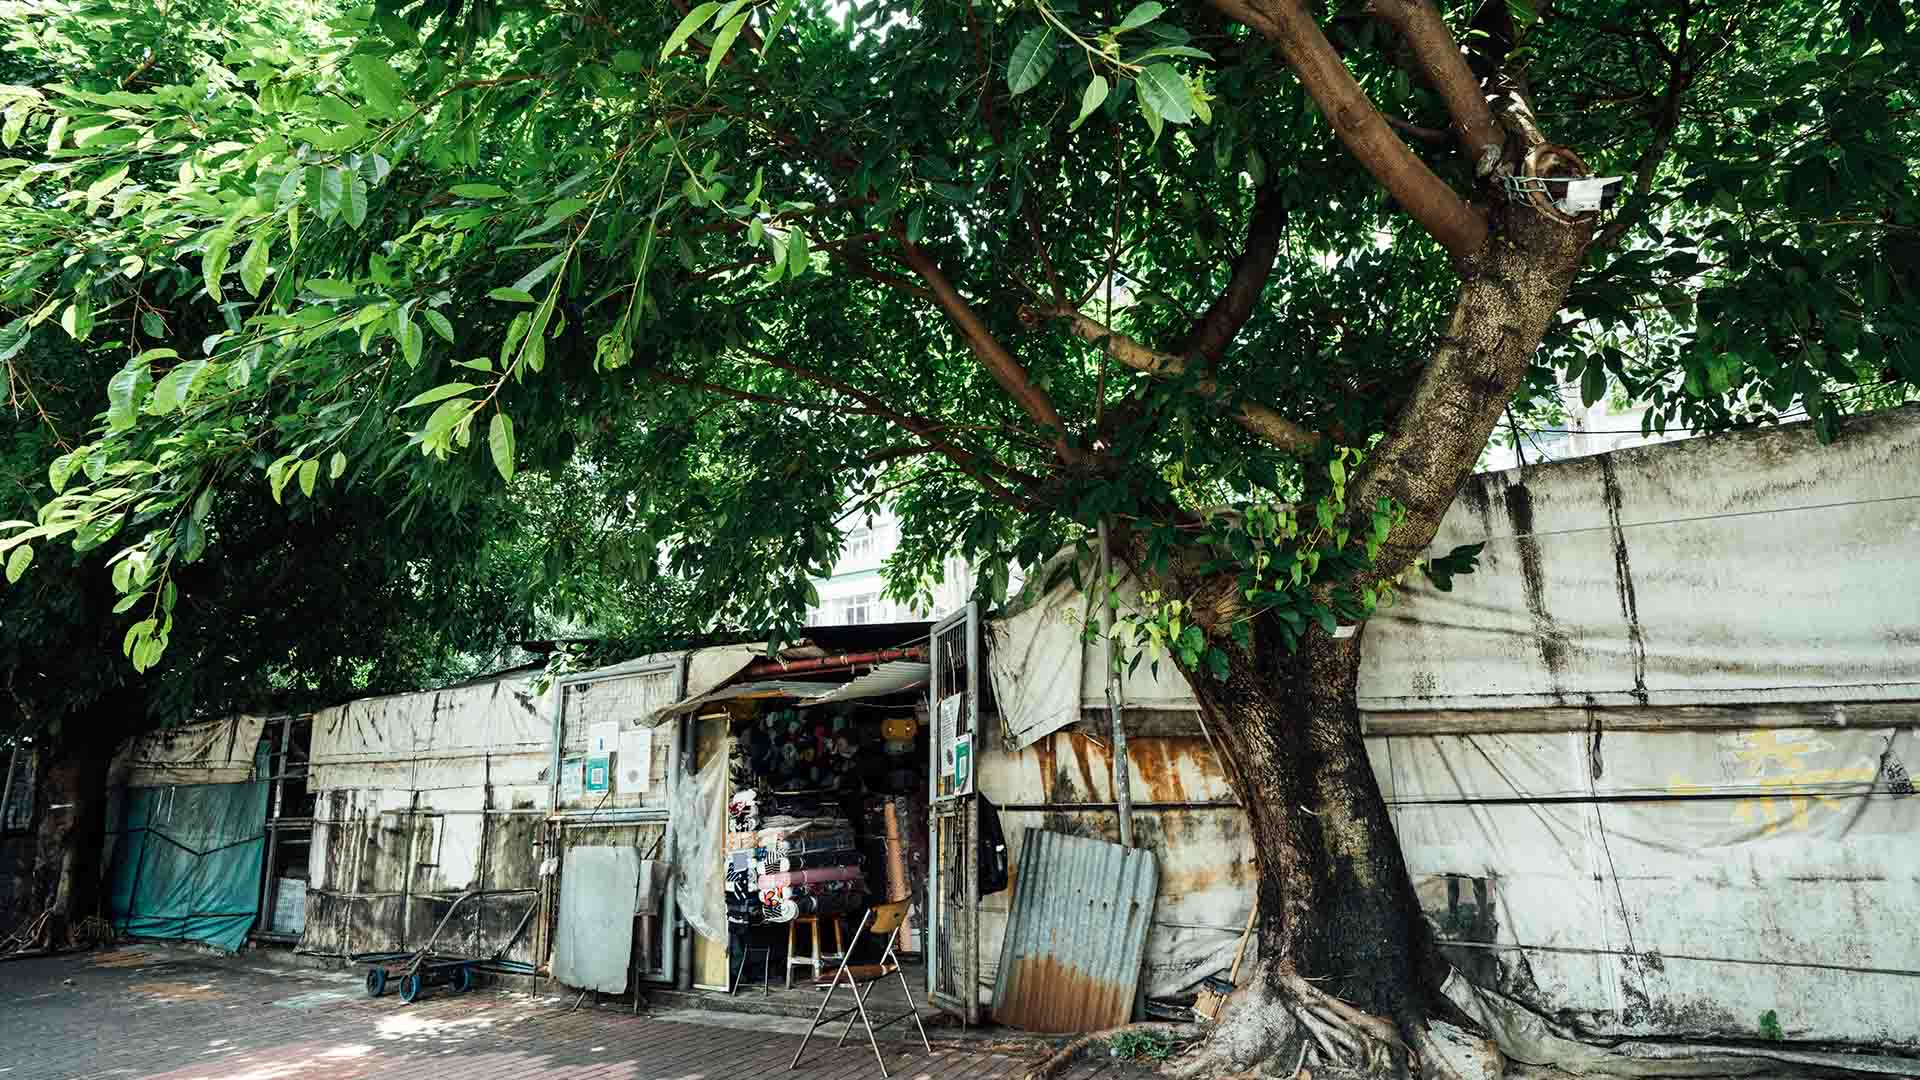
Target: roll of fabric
[[780, 864], [823, 875], [899, 887]]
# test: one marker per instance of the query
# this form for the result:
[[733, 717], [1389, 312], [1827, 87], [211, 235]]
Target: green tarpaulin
[[188, 861]]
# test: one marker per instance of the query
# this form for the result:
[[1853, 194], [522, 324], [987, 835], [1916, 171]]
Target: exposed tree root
[[1280, 1024], [1064, 1057]]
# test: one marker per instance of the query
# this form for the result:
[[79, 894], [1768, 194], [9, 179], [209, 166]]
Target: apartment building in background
[[855, 594]]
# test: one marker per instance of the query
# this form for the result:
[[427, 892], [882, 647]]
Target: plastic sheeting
[[1044, 673], [209, 752], [1650, 885], [188, 860], [699, 863]]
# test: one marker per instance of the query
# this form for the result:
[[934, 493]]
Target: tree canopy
[[282, 605], [756, 262]]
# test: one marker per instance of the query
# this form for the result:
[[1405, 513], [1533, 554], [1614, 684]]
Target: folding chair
[[882, 921]]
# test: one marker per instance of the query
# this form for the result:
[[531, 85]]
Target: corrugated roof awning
[[891, 678]]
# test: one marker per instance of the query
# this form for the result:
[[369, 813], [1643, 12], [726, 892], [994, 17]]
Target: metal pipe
[[1122, 771], [832, 663]]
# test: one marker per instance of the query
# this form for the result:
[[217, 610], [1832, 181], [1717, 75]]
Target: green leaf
[[77, 319], [253, 265], [780, 16], [18, 562], [329, 187], [479, 191], [1030, 61], [309, 472], [123, 393], [1141, 15], [628, 62], [1593, 383], [173, 389], [440, 393], [500, 442], [331, 288], [338, 468], [539, 273], [797, 257], [1091, 100], [215, 262], [439, 323], [724, 41], [410, 337], [694, 21], [380, 83], [354, 207], [512, 296], [1163, 87], [13, 338]]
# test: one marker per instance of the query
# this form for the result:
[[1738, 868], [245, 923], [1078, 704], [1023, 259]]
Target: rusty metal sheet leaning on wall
[[1186, 817]]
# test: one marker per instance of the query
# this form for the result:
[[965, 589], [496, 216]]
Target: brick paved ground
[[150, 1012]]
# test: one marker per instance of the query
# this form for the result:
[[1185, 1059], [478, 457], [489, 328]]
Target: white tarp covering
[[1044, 673], [208, 752], [1743, 569], [462, 738], [1643, 883], [421, 797], [1651, 766]]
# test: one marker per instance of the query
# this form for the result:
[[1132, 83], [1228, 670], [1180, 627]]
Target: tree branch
[[748, 395], [992, 355], [970, 463], [1216, 329], [1445, 67], [1438, 208], [1256, 418], [1415, 131]]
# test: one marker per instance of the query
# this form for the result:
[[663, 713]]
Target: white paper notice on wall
[[573, 779], [635, 761], [602, 736]]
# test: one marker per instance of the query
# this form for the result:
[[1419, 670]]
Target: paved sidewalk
[[152, 1012]]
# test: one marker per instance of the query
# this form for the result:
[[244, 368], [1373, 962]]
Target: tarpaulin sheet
[[1044, 672], [188, 861]]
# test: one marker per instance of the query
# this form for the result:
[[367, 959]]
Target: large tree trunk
[[73, 816], [1348, 975]]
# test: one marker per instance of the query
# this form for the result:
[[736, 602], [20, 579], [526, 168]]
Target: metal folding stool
[[884, 921]]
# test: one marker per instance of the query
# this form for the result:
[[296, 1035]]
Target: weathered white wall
[[1651, 766], [421, 797]]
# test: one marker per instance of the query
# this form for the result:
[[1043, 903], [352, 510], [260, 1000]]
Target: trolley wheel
[[464, 979], [410, 988], [376, 981]]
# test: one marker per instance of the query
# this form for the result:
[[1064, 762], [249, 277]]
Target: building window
[[860, 547], [856, 610], [17, 815]]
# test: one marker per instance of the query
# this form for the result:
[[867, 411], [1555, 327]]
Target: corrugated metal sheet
[[889, 678], [1077, 934], [886, 679]]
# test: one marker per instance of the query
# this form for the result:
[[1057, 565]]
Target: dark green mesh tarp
[[188, 861]]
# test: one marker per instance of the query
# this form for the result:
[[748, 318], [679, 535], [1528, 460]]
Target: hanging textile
[[188, 862]]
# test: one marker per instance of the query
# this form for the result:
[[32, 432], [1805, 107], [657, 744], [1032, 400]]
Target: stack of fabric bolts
[[797, 860]]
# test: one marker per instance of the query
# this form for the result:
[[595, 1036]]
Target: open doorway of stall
[[825, 815], [956, 738], [286, 741]]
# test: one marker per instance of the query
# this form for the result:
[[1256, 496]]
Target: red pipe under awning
[[833, 663]]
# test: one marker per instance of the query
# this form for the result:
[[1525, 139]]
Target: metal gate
[[953, 893]]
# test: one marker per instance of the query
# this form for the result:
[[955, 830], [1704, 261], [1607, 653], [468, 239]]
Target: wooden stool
[[794, 959]]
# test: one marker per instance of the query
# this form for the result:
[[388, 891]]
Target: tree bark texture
[[1341, 933], [73, 817]]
